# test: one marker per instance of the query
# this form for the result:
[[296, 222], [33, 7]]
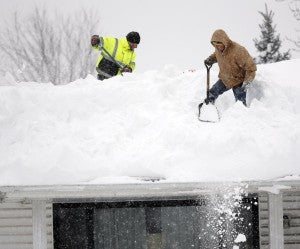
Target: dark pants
[[219, 88]]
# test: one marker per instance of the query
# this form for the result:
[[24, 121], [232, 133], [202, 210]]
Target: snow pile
[[146, 124]]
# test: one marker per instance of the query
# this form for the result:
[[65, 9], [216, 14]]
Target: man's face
[[219, 46], [132, 45]]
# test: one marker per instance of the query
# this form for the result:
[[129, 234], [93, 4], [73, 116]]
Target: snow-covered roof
[[145, 125]]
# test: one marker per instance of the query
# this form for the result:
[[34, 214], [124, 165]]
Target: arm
[[246, 62], [129, 68], [132, 62]]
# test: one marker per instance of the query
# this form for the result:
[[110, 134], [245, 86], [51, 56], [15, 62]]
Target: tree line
[[41, 48]]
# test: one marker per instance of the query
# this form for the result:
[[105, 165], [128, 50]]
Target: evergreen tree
[[269, 43]]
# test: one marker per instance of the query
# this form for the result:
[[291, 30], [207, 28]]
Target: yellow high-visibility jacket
[[119, 49]]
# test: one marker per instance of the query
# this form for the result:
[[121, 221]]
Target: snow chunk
[[240, 238]]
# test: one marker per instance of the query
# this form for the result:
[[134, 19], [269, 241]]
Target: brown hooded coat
[[235, 63]]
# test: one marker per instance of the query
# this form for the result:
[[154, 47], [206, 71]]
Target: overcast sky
[[174, 31]]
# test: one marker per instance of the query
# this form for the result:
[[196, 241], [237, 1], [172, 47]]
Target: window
[[168, 224]]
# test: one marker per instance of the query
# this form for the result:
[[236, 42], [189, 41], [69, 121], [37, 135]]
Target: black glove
[[209, 100], [126, 70], [95, 40], [208, 61]]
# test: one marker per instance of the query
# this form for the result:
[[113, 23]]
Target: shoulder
[[123, 41], [239, 48], [240, 51]]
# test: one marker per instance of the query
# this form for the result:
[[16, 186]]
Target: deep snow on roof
[[145, 125]]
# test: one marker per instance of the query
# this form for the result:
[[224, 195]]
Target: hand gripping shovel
[[208, 112]]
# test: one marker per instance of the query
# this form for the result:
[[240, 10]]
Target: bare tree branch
[[45, 50], [294, 6]]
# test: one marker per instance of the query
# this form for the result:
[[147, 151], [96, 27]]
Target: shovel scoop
[[208, 112]]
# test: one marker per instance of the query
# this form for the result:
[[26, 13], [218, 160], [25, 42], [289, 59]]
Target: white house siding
[[16, 217], [16, 231], [291, 207], [263, 220]]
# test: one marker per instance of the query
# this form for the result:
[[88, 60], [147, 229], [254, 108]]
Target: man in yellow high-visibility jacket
[[117, 55]]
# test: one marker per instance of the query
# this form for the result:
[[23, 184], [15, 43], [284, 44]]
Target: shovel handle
[[208, 67]]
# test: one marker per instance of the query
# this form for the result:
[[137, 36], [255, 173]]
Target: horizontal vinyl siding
[[263, 221], [16, 226], [291, 206]]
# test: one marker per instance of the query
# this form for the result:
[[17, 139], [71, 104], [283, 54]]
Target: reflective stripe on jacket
[[119, 49]]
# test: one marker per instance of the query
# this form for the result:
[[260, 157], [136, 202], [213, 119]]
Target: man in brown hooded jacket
[[237, 68]]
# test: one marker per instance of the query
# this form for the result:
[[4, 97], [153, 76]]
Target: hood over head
[[220, 36]]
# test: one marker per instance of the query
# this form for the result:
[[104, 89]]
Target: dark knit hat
[[133, 37]]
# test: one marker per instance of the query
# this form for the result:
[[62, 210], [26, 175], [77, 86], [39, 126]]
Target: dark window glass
[[174, 224]]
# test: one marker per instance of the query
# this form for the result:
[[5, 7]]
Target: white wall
[[16, 227]]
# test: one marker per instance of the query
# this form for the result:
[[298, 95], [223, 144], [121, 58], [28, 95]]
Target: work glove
[[246, 85], [95, 40], [208, 61], [209, 100], [126, 70]]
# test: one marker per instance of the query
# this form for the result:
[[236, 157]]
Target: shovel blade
[[208, 113]]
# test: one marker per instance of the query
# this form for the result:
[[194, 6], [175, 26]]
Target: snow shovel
[[208, 112]]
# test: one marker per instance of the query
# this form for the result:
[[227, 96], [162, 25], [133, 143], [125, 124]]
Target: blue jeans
[[219, 88]]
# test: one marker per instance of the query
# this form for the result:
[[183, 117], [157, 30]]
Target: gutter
[[137, 191]]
